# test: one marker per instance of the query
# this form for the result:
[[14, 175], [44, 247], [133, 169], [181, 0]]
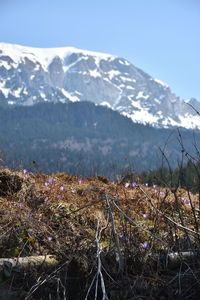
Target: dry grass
[[133, 229]]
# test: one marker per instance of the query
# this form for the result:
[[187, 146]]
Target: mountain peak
[[46, 55]]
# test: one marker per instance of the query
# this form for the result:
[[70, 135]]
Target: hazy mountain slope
[[32, 75], [83, 138]]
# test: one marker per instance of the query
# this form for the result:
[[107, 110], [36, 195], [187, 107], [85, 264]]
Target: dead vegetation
[[110, 240]]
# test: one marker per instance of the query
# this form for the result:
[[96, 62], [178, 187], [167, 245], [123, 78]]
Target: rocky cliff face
[[32, 75]]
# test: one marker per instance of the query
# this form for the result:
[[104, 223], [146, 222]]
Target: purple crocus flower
[[59, 196], [154, 186], [62, 188], [46, 183], [51, 180], [146, 184], [25, 171], [184, 200], [134, 185], [126, 185], [145, 216], [80, 181], [46, 199], [145, 245], [49, 238]]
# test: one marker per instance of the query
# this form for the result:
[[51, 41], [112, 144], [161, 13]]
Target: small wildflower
[[29, 215], [145, 216], [73, 191], [154, 186], [25, 171], [145, 245], [146, 184], [134, 185], [162, 193], [46, 183], [46, 199], [80, 181], [62, 188], [184, 200], [49, 238], [51, 180], [126, 185], [155, 191], [59, 196], [123, 237], [20, 205], [89, 199]]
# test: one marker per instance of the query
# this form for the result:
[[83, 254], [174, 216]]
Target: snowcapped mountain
[[31, 75]]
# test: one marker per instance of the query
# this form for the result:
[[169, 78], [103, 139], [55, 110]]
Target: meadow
[[96, 239]]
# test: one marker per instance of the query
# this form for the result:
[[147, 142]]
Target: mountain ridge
[[31, 75]]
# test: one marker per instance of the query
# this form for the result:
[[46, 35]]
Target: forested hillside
[[84, 138]]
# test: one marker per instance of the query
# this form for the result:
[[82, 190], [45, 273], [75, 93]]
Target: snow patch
[[124, 62], [5, 91], [78, 93], [37, 67], [190, 121], [113, 73], [45, 55], [130, 87], [141, 95], [127, 79], [94, 73], [2, 84], [136, 104], [66, 68], [105, 103], [25, 92], [160, 113], [5, 64], [142, 116], [17, 92], [42, 95], [161, 82], [72, 98], [157, 100]]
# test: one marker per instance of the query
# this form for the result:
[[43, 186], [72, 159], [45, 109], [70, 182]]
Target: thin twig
[[139, 226], [168, 218]]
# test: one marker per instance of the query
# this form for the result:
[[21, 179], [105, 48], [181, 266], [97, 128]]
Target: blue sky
[[162, 37]]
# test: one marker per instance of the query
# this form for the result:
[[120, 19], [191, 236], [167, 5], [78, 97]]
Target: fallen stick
[[176, 258], [28, 261]]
